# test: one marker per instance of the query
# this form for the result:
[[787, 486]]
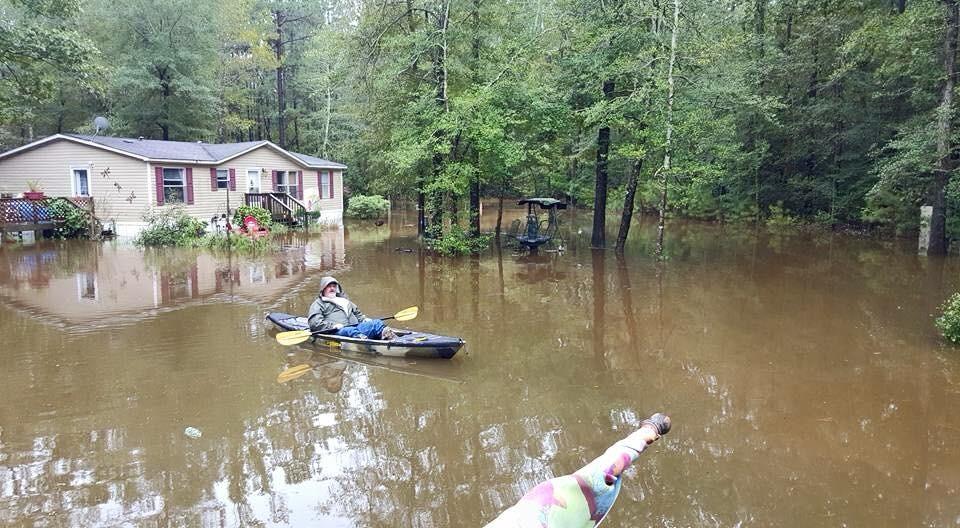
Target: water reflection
[[803, 375], [86, 286]]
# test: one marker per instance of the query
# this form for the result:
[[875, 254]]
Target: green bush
[[76, 224], [949, 320], [458, 242], [170, 227], [367, 207], [824, 219], [261, 214], [780, 219]]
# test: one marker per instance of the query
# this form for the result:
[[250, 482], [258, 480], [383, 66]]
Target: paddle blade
[[407, 313], [293, 373], [293, 337]]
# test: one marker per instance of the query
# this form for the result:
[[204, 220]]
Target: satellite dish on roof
[[100, 124]]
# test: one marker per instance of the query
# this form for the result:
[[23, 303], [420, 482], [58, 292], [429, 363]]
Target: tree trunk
[[946, 155], [166, 91], [440, 77], [454, 209], [279, 19], [421, 208], [668, 144], [599, 238], [326, 122], [627, 215], [499, 215], [475, 177], [475, 204], [281, 109]]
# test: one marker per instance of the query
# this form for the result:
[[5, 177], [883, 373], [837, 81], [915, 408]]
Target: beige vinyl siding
[[128, 189], [327, 204], [268, 160], [208, 203], [120, 193]]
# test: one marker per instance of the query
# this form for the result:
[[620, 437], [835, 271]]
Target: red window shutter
[[320, 184], [189, 186], [158, 173], [213, 178], [233, 179], [275, 182], [330, 173], [300, 185]]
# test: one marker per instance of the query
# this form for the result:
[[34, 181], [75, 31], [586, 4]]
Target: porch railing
[[21, 214], [283, 207]]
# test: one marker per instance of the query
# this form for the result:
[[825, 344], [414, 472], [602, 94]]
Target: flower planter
[[34, 195]]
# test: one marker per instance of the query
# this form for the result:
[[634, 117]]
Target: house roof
[[181, 151]]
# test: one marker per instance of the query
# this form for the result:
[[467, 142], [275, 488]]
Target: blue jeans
[[370, 328]]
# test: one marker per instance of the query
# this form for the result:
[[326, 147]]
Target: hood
[[325, 281]]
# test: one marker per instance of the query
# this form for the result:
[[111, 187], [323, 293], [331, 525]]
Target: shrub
[[780, 219], [367, 207], [75, 224], [949, 320], [170, 227], [458, 242], [261, 214]]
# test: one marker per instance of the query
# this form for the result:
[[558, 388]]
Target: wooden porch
[[283, 207], [21, 214]]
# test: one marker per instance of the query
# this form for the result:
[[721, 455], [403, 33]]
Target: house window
[[223, 178], [173, 186], [253, 180], [287, 182], [324, 184], [81, 182]]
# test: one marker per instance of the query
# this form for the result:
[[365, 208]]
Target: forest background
[[838, 112]]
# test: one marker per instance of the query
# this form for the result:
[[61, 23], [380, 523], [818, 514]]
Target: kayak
[[408, 343]]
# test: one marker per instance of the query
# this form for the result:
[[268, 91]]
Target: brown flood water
[[804, 376]]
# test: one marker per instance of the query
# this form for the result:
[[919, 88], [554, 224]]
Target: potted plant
[[35, 192]]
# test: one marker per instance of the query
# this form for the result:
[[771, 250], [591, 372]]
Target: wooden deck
[[20, 214], [283, 207]]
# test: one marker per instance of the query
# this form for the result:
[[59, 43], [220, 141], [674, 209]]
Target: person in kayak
[[333, 313]]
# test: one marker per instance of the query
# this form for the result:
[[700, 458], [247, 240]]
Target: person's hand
[[337, 326]]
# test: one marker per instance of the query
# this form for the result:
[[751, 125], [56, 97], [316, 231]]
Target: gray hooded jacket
[[325, 314]]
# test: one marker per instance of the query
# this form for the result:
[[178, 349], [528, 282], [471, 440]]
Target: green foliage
[[779, 219], [949, 320], [42, 55], [160, 51], [76, 222], [170, 226], [456, 242], [262, 215], [794, 107], [367, 207]]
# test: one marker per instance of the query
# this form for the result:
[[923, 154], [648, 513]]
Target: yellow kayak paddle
[[299, 336]]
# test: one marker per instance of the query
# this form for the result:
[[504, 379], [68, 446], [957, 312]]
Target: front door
[[253, 180], [81, 182]]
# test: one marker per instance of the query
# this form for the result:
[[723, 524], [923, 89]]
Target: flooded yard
[[805, 378]]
